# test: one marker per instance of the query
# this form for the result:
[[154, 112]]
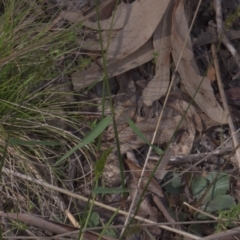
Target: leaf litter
[[142, 43]]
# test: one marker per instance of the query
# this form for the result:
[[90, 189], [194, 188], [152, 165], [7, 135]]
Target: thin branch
[[225, 105], [222, 36], [223, 234], [194, 157]]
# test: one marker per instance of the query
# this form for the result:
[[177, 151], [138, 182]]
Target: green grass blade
[[100, 163], [103, 190], [17, 141], [137, 131], [90, 138], [159, 151]]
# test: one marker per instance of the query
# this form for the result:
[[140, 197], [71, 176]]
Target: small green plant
[[99, 165], [232, 18], [230, 215], [210, 192], [155, 57], [20, 226], [94, 220]]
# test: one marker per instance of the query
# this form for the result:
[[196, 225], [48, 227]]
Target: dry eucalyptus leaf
[[177, 102], [84, 78], [207, 122], [158, 86], [197, 86], [141, 19], [77, 17], [117, 22], [139, 50]]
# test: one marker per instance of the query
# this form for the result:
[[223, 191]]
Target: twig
[[223, 234], [222, 36], [224, 100], [35, 221], [211, 37], [200, 211], [194, 157], [149, 225]]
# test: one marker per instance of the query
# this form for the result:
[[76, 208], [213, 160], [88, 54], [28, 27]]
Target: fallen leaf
[[117, 22], [138, 51], [84, 78], [198, 87], [141, 19], [158, 86]]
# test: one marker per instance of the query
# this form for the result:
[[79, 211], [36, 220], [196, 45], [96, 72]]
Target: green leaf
[[220, 203], [102, 190], [17, 141], [90, 138], [198, 186], [111, 233], [220, 187], [159, 151], [94, 219], [175, 186]]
